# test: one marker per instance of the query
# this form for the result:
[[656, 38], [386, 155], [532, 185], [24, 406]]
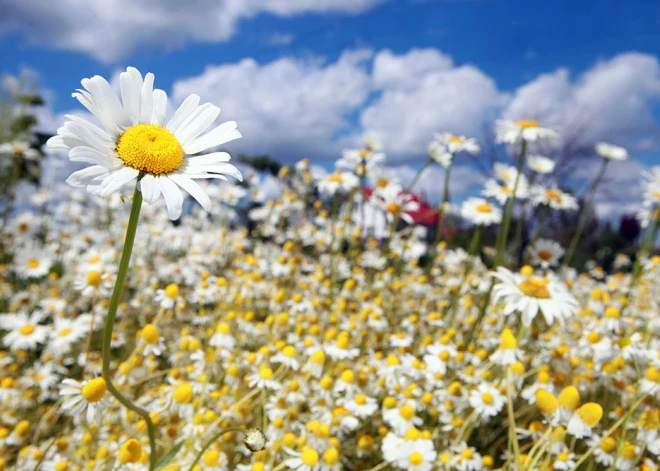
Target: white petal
[[160, 107], [188, 106], [147, 98], [173, 197], [220, 135], [131, 88], [85, 176], [197, 123], [116, 180], [108, 107], [193, 189], [215, 157], [150, 189], [90, 155]]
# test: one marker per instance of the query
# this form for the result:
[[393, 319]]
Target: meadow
[[331, 328]]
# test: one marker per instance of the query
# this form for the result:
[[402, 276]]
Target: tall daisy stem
[[649, 238], [441, 210], [110, 323], [504, 229], [585, 214]]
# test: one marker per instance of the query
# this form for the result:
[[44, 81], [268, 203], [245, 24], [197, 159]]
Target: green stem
[[474, 244], [110, 323], [441, 210], [212, 441], [517, 242], [539, 228], [504, 230], [585, 215], [649, 237]]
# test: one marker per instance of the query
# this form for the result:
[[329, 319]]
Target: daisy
[[20, 148], [444, 146], [263, 379], [480, 212], [24, 332], [508, 352], [604, 449], [492, 189], [86, 396], [307, 460], [552, 197], [66, 332], [32, 263], [360, 405], [486, 400], [526, 129], [545, 253], [338, 182], [531, 295], [539, 164], [611, 152], [136, 144]]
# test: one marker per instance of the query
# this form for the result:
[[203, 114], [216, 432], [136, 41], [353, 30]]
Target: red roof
[[426, 214]]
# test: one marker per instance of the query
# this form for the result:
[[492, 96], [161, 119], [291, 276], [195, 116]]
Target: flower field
[[327, 329]]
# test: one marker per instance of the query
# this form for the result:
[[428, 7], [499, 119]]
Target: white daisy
[[545, 253], [85, 397], [540, 164], [135, 143], [480, 212], [531, 295], [527, 129], [611, 152], [486, 400], [24, 332], [552, 197]]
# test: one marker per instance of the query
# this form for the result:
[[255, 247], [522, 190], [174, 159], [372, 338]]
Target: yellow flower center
[[22, 428], [331, 456], [487, 398], [508, 340], [535, 288], [93, 278], [64, 332], [150, 149], [212, 458], [183, 393], [545, 255], [484, 208], [94, 390], [172, 291], [546, 401], [62, 466], [335, 178], [407, 412], [393, 208], [310, 457], [456, 139], [27, 329], [266, 373], [569, 398], [553, 195], [527, 123], [130, 451], [467, 454], [361, 399], [33, 263], [150, 334], [629, 451], [23, 227], [608, 444], [416, 459], [382, 183]]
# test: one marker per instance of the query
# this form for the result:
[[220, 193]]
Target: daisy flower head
[[32, 263], [20, 148], [338, 182], [533, 295], [444, 146], [553, 197], [507, 131], [611, 152], [585, 419], [135, 143], [545, 253], [486, 400], [23, 331], [85, 396], [540, 164], [480, 212]]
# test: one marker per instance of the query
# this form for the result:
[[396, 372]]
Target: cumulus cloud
[[110, 30], [611, 101], [423, 92], [288, 105]]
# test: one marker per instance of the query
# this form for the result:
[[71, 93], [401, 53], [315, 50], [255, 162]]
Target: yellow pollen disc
[[150, 149], [183, 393], [527, 123], [545, 255], [27, 329], [553, 195], [34, 263], [407, 412], [484, 208], [608, 444], [546, 401], [266, 373], [382, 183], [629, 451], [335, 178], [569, 398], [655, 259], [289, 351], [150, 334], [393, 208], [62, 466], [64, 332], [487, 398], [130, 451], [590, 413], [93, 278], [94, 390], [361, 399], [467, 454], [310, 457], [612, 313], [456, 139], [212, 458], [172, 291], [416, 459], [508, 340], [506, 190], [23, 227], [535, 288]]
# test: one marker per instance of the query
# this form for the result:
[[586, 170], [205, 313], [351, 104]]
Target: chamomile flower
[[137, 144], [552, 197], [23, 332], [533, 295], [527, 129], [611, 152], [32, 263], [540, 164], [480, 212], [486, 400], [545, 253], [86, 397]]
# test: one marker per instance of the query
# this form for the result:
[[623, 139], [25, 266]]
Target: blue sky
[[321, 73]]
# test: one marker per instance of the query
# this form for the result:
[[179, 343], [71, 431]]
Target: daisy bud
[[255, 440], [130, 451]]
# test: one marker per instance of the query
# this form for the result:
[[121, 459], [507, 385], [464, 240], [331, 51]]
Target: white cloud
[[110, 30], [281, 39], [612, 101], [423, 92], [289, 108]]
